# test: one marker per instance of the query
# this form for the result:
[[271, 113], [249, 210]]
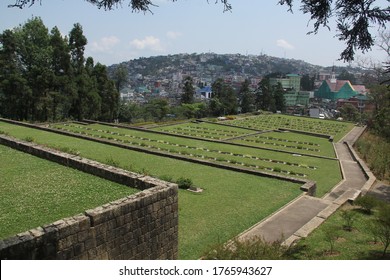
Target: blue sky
[[188, 26]]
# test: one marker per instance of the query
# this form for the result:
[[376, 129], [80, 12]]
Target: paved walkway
[[301, 216]]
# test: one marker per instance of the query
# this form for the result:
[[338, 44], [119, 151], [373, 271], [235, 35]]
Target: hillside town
[[305, 85], [194, 156]]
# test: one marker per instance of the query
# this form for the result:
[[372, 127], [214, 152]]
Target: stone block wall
[[140, 226]]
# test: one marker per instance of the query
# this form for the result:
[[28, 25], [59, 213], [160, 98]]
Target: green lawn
[[204, 130], [358, 244], [231, 202], [300, 166], [291, 142], [336, 129], [35, 192]]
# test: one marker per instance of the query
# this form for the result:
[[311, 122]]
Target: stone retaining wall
[[140, 226]]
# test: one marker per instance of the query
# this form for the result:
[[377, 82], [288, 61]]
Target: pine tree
[[108, 94], [188, 91], [43, 76], [63, 87], [77, 42], [247, 98], [13, 85]]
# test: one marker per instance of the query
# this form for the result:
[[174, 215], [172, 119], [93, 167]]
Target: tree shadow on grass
[[373, 255], [381, 192]]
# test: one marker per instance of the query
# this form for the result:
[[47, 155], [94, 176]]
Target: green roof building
[[334, 89]]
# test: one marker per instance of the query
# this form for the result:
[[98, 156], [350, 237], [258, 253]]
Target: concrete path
[[301, 216]]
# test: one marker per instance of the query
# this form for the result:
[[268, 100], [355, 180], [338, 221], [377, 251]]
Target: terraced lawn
[[291, 142], [276, 121], [35, 192], [231, 201], [295, 165], [204, 130]]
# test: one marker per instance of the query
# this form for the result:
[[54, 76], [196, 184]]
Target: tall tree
[[157, 108], [63, 87], [187, 96], [120, 76], [381, 98], [278, 97], [35, 55], [43, 76], [264, 100], [307, 82], [108, 94], [77, 43], [14, 89], [224, 99], [349, 112], [247, 97]]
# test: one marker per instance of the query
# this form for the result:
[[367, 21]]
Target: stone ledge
[[309, 227], [328, 211]]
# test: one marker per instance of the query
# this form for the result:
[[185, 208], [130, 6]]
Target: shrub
[[167, 178], [380, 227], [184, 183], [277, 169], [29, 139], [331, 234], [111, 161], [367, 203], [349, 218], [68, 150], [252, 249]]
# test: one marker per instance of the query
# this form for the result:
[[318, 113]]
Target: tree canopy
[[136, 5], [45, 76], [353, 17]]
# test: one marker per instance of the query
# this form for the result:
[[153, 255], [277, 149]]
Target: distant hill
[[210, 66]]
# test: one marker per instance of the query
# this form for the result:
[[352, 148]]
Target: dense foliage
[[381, 117], [270, 97], [375, 150], [353, 18], [45, 76]]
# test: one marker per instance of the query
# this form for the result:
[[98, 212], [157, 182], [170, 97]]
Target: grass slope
[[275, 121], [35, 192], [231, 202], [304, 166], [357, 244]]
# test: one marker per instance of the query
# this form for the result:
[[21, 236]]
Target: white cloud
[[147, 43], [284, 44], [173, 34], [104, 44]]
